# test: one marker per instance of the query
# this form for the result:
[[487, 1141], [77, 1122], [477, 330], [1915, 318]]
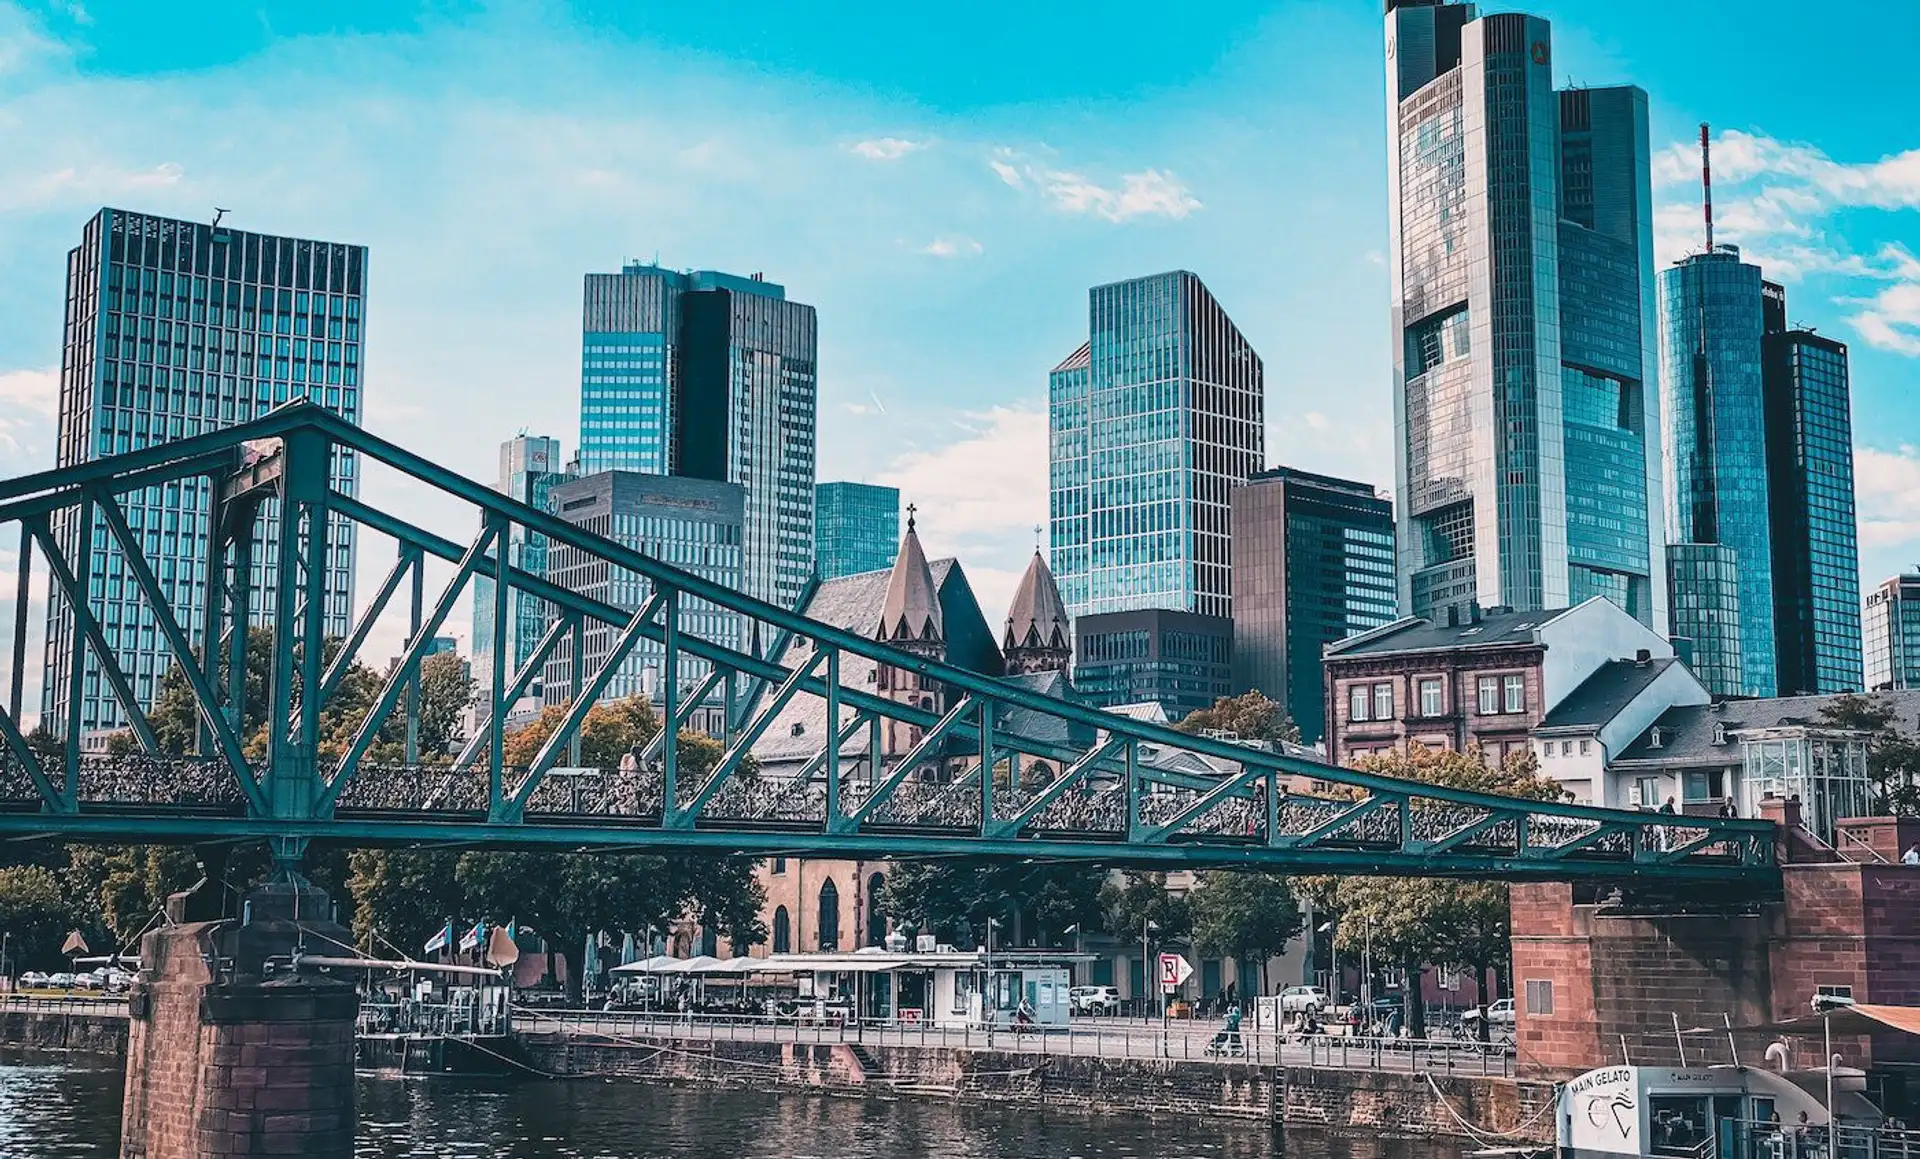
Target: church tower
[[910, 620], [1039, 637]]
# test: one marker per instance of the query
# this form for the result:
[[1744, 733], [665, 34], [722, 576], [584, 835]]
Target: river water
[[54, 1106]]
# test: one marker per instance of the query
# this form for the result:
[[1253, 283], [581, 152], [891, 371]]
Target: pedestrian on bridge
[[1912, 855]]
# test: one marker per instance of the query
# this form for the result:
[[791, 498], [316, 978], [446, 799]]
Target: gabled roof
[[1687, 732], [1605, 694], [1492, 629], [1038, 618], [911, 610]]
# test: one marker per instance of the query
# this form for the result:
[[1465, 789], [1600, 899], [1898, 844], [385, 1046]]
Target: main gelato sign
[[1603, 1111]]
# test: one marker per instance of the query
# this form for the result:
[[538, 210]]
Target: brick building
[[1469, 678]]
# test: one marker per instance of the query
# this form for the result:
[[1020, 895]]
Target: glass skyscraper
[[1815, 532], [1313, 563], [1179, 660], [530, 465], [856, 528], [175, 328], [1151, 422], [1890, 628], [697, 525], [1523, 301], [710, 376], [1716, 448]]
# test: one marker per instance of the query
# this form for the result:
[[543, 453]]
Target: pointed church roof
[[1038, 618], [912, 607]]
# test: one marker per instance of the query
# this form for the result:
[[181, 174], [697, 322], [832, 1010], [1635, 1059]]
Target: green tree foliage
[[1416, 922], [1893, 752], [404, 895], [953, 899], [1138, 898], [34, 911], [609, 732], [1249, 917], [1249, 716]]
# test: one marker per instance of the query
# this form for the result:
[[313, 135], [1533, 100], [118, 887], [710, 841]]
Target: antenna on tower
[[1706, 181]]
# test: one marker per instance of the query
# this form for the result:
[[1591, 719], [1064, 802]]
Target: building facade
[[1313, 565], [710, 376], [1150, 424], [696, 525], [1890, 629], [1814, 529], [530, 466], [1470, 679], [1711, 322], [172, 329], [856, 528], [1523, 305], [1181, 661]]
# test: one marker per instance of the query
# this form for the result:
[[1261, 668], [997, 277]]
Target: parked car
[[1497, 1014], [1303, 999], [1093, 1000], [33, 980], [61, 981], [91, 980]]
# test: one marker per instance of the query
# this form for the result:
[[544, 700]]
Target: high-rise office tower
[[530, 465], [710, 376], [175, 328], [1523, 302], [856, 528], [1814, 532], [1313, 563], [1717, 525], [1890, 627], [697, 525], [1152, 421]]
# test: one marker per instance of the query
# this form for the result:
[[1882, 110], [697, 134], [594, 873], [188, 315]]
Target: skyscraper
[[1151, 423], [856, 528], [1522, 270], [1814, 529], [530, 465], [1710, 327], [174, 328], [710, 376], [1890, 626], [1313, 563]]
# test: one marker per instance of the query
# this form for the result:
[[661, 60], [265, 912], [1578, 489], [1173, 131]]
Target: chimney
[[1643, 657], [1473, 613]]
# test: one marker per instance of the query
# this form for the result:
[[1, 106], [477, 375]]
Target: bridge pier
[[231, 1051], [1601, 976]]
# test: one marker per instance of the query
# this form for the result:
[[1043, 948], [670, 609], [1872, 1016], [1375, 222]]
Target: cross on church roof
[[911, 509]]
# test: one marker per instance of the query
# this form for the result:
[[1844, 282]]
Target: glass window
[[1357, 702], [1430, 699], [1383, 702], [1488, 688], [1516, 693]]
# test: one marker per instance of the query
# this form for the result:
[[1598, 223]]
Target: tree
[[1249, 716], [956, 898], [610, 731], [1414, 922], [446, 688], [1128, 905], [404, 895], [1893, 753], [1249, 917], [35, 914]]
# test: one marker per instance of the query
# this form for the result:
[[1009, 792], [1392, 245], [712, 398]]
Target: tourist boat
[[1729, 1112]]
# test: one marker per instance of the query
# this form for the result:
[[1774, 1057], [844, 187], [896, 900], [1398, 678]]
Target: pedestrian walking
[[1912, 855]]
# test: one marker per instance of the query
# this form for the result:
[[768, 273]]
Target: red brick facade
[[1459, 725]]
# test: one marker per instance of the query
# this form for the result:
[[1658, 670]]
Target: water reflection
[[57, 1106]]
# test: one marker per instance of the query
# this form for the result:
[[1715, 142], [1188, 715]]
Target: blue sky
[[943, 184]]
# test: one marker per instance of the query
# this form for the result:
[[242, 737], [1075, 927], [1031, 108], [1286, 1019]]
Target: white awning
[[653, 965]]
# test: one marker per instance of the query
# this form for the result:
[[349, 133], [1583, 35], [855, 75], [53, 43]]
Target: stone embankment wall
[[1338, 1099], [88, 1032]]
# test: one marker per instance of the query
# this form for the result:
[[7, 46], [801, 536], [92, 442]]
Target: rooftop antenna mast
[[1706, 181]]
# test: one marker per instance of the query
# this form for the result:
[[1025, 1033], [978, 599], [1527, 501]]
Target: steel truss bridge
[[1110, 800]]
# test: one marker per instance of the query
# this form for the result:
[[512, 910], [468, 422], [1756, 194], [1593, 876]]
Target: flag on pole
[[75, 944], [472, 938], [441, 940]]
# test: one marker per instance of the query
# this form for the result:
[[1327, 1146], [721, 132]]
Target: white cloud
[[886, 148], [1887, 493], [86, 184], [988, 488], [36, 390], [1148, 193], [951, 247]]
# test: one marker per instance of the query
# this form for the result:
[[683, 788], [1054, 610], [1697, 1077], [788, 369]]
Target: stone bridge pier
[[232, 1051], [1652, 977]]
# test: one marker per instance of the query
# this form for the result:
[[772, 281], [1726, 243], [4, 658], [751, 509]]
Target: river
[[55, 1106]]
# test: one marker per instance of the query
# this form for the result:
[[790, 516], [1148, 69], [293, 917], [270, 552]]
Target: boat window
[[1678, 1124]]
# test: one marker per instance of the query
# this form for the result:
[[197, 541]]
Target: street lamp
[[993, 992], [1073, 971], [1148, 928], [1824, 1005]]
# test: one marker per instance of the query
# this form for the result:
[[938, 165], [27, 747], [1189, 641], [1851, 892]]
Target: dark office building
[[1312, 564], [1815, 536], [1181, 661]]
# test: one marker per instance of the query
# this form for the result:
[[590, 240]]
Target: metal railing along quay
[[114, 1007], [1106, 1038]]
